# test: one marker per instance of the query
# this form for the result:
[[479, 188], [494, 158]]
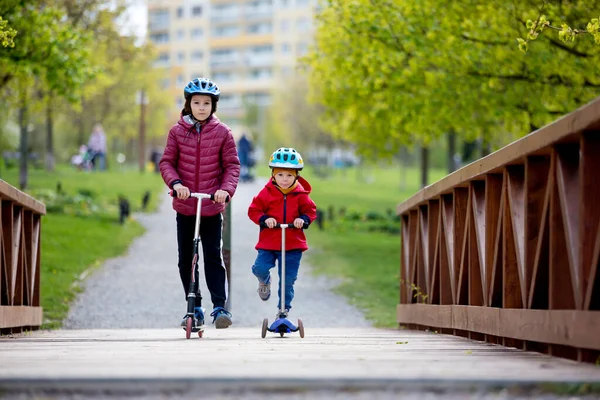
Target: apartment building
[[246, 46]]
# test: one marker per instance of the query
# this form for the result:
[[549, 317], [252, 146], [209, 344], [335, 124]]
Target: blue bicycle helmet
[[202, 86], [286, 157]]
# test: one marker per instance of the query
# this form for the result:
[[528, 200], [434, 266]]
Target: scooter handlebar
[[173, 193], [285, 226]]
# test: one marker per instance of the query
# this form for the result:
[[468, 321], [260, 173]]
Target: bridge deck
[[345, 355]]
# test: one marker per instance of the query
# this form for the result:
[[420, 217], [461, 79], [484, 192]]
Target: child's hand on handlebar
[[271, 222], [182, 191], [221, 196], [298, 223]]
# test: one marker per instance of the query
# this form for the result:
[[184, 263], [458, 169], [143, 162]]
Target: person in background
[[97, 147]]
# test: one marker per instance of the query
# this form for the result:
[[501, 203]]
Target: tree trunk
[[451, 152], [424, 165], [485, 145], [23, 147], [49, 138]]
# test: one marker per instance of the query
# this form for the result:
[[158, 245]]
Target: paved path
[[142, 289]]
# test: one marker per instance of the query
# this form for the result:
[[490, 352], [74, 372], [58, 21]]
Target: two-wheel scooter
[[191, 324]]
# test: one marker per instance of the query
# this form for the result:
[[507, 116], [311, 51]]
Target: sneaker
[[198, 315], [221, 318], [283, 314], [264, 291]]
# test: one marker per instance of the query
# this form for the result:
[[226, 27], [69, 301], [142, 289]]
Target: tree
[[403, 73], [49, 58]]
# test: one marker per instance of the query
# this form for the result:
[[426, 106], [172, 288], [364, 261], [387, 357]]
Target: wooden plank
[[433, 222], [476, 278], [493, 206], [561, 288], [537, 198], [574, 328], [12, 193], [511, 285], [589, 211], [404, 257], [564, 129], [460, 207], [567, 177], [20, 316], [516, 197]]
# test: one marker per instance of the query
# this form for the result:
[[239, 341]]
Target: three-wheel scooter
[[282, 324], [191, 325]]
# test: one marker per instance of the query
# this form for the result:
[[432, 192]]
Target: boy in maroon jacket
[[201, 157], [284, 200]]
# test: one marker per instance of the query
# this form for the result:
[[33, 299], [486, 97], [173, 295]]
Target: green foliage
[[405, 73], [7, 34]]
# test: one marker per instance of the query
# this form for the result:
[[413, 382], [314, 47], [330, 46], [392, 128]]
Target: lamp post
[[142, 101]]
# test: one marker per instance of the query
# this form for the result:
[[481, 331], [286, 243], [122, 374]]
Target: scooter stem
[[282, 305]]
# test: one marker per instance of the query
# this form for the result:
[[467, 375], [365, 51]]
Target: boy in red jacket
[[284, 200]]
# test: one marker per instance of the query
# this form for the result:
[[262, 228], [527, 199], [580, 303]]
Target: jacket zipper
[[284, 206], [198, 161]]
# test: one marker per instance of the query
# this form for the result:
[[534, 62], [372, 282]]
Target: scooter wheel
[[265, 324], [301, 328], [280, 334], [188, 328], [200, 333]]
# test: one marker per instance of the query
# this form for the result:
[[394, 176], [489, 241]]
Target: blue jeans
[[266, 260]]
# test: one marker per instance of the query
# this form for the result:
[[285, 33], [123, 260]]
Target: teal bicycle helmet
[[202, 86], [286, 157]]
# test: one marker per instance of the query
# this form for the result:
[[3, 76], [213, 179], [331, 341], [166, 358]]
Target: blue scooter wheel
[[265, 324], [301, 328]]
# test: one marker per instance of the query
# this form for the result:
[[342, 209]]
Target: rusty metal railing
[[507, 248], [19, 260]]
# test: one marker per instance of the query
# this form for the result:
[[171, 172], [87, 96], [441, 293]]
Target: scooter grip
[[212, 197]]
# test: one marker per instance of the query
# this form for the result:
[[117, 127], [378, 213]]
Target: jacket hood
[[303, 186], [187, 122]]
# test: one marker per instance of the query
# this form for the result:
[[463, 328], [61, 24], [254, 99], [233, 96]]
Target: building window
[[285, 25], [303, 25], [222, 76], [286, 48], [301, 49], [302, 3], [181, 57], [159, 38], [179, 12], [284, 3], [197, 33], [260, 29], [197, 56], [223, 12], [180, 81], [158, 20], [180, 35], [162, 60], [226, 31], [262, 73], [196, 11]]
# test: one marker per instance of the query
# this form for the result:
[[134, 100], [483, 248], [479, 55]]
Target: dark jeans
[[214, 266]]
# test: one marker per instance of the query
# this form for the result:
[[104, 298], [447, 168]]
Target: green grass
[[367, 263], [71, 244]]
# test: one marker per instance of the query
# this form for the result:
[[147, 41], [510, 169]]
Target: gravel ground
[[142, 289]]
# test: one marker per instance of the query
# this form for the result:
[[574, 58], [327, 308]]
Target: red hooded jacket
[[204, 162], [270, 202]]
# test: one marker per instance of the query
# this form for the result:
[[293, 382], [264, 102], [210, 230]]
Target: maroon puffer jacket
[[204, 162]]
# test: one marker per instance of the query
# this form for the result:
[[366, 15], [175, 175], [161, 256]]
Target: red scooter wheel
[[188, 327]]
